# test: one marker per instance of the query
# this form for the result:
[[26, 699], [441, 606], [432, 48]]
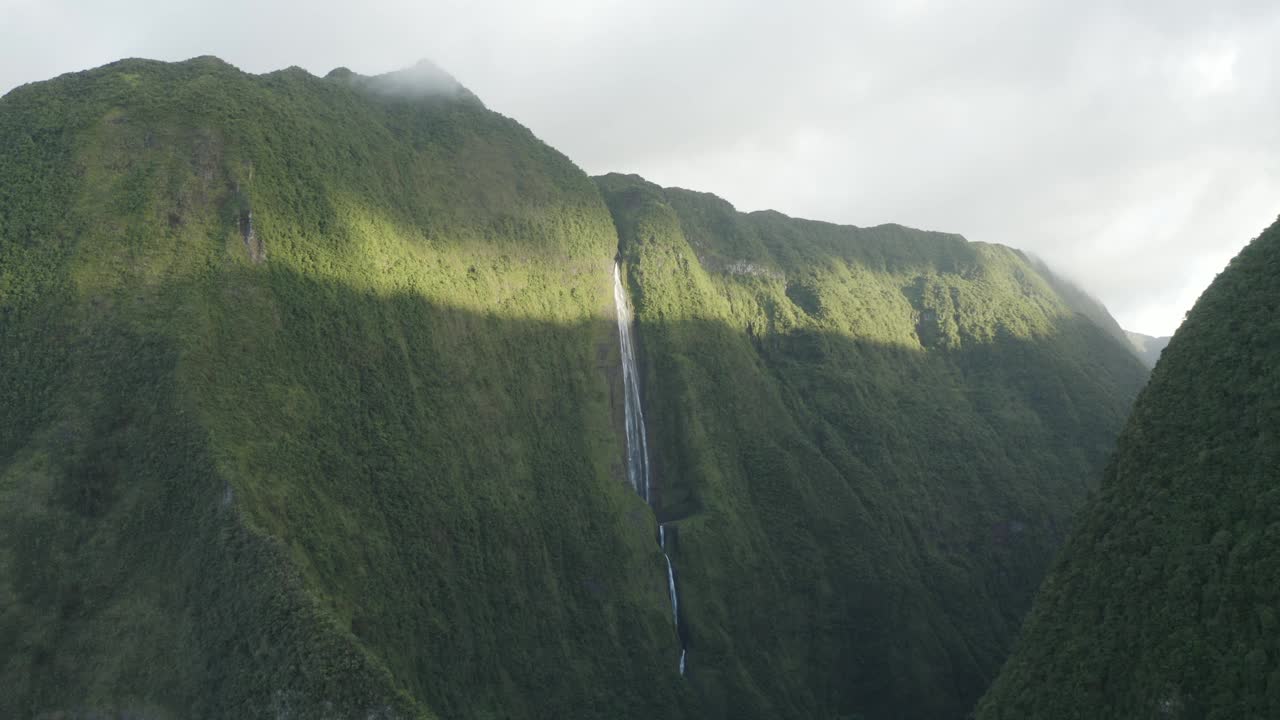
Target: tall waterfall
[[637, 442]]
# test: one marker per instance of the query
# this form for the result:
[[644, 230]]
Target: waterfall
[[637, 442], [671, 589]]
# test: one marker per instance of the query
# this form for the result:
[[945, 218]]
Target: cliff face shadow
[[307, 495], [881, 514], [296, 475]]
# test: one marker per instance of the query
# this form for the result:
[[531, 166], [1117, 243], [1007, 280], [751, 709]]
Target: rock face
[[252, 243], [1164, 601]]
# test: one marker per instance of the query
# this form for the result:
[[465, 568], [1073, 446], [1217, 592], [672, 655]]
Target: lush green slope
[[307, 408], [1164, 602], [869, 443]]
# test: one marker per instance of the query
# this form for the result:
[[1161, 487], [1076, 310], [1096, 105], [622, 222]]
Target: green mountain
[[308, 408], [1149, 348], [870, 442], [1164, 601], [313, 408]]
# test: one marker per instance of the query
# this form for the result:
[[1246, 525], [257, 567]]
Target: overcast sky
[[1134, 146]]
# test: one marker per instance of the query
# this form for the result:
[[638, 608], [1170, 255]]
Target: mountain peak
[[420, 80]]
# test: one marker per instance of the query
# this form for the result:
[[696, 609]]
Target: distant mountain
[[1148, 348], [313, 407], [1164, 602]]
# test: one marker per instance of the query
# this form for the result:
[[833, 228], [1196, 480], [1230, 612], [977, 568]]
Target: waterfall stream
[[671, 577], [637, 442]]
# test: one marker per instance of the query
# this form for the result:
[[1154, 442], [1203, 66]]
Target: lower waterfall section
[[671, 576], [637, 442], [675, 597]]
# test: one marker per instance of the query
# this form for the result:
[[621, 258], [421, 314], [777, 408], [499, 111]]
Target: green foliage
[[368, 471], [311, 409], [1164, 601], [869, 443]]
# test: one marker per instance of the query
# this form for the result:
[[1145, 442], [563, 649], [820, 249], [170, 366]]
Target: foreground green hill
[[312, 408], [1164, 602], [869, 443], [307, 408]]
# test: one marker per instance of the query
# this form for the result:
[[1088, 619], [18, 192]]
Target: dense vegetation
[[1164, 602], [869, 441], [307, 409], [311, 408]]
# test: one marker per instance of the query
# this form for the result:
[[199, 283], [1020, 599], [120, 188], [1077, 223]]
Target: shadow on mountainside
[[291, 493]]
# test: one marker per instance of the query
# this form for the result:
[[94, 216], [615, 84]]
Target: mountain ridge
[[315, 390]]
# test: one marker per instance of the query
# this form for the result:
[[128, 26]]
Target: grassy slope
[[1164, 602], [870, 443], [366, 475]]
